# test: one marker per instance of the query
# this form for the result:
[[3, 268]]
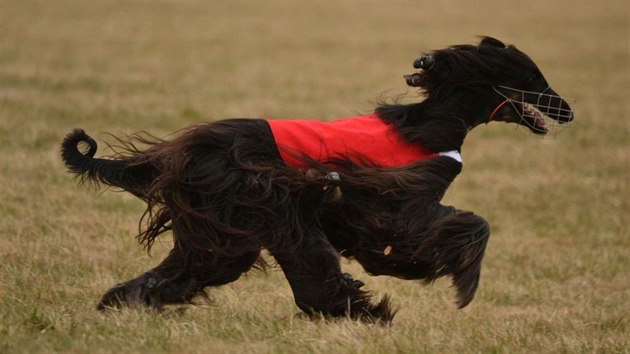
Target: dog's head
[[499, 83]]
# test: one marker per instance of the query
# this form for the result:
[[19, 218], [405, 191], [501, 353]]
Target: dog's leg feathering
[[457, 247], [320, 288], [177, 280]]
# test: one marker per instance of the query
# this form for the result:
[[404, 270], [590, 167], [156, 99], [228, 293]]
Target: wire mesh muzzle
[[532, 106]]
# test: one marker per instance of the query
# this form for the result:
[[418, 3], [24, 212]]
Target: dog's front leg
[[320, 288]]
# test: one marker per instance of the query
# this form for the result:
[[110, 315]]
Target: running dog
[[366, 187]]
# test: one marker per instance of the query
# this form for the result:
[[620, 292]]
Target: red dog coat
[[358, 138]]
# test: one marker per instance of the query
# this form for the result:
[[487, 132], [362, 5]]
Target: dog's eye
[[533, 77]]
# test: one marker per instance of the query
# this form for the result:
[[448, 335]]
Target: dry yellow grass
[[555, 277]]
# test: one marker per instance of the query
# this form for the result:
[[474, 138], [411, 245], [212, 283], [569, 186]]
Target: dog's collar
[[454, 154], [491, 117]]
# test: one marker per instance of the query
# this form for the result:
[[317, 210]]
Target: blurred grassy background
[[555, 276]]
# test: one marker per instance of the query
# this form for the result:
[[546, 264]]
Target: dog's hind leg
[[320, 288], [177, 280]]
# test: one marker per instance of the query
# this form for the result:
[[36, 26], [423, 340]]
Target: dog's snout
[[569, 116], [570, 113]]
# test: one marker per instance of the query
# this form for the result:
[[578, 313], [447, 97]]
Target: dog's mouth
[[532, 118], [538, 111]]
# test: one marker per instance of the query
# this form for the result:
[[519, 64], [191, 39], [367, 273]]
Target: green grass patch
[[555, 276]]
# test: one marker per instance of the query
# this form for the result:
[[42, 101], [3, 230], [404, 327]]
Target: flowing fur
[[224, 192]]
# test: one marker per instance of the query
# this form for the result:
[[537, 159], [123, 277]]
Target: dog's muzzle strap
[[491, 118]]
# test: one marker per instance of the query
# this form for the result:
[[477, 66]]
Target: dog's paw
[[136, 292], [115, 297], [350, 281]]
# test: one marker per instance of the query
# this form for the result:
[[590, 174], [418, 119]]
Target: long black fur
[[224, 192]]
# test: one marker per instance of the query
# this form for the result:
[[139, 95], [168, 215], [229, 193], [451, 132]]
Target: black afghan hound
[[366, 187]]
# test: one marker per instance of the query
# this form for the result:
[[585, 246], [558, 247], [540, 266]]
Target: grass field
[[555, 276]]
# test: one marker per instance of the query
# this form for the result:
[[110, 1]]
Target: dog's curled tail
[[129, 173], [76, 161]]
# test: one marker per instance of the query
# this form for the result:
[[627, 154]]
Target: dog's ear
[[424, 62], [493, 42]]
